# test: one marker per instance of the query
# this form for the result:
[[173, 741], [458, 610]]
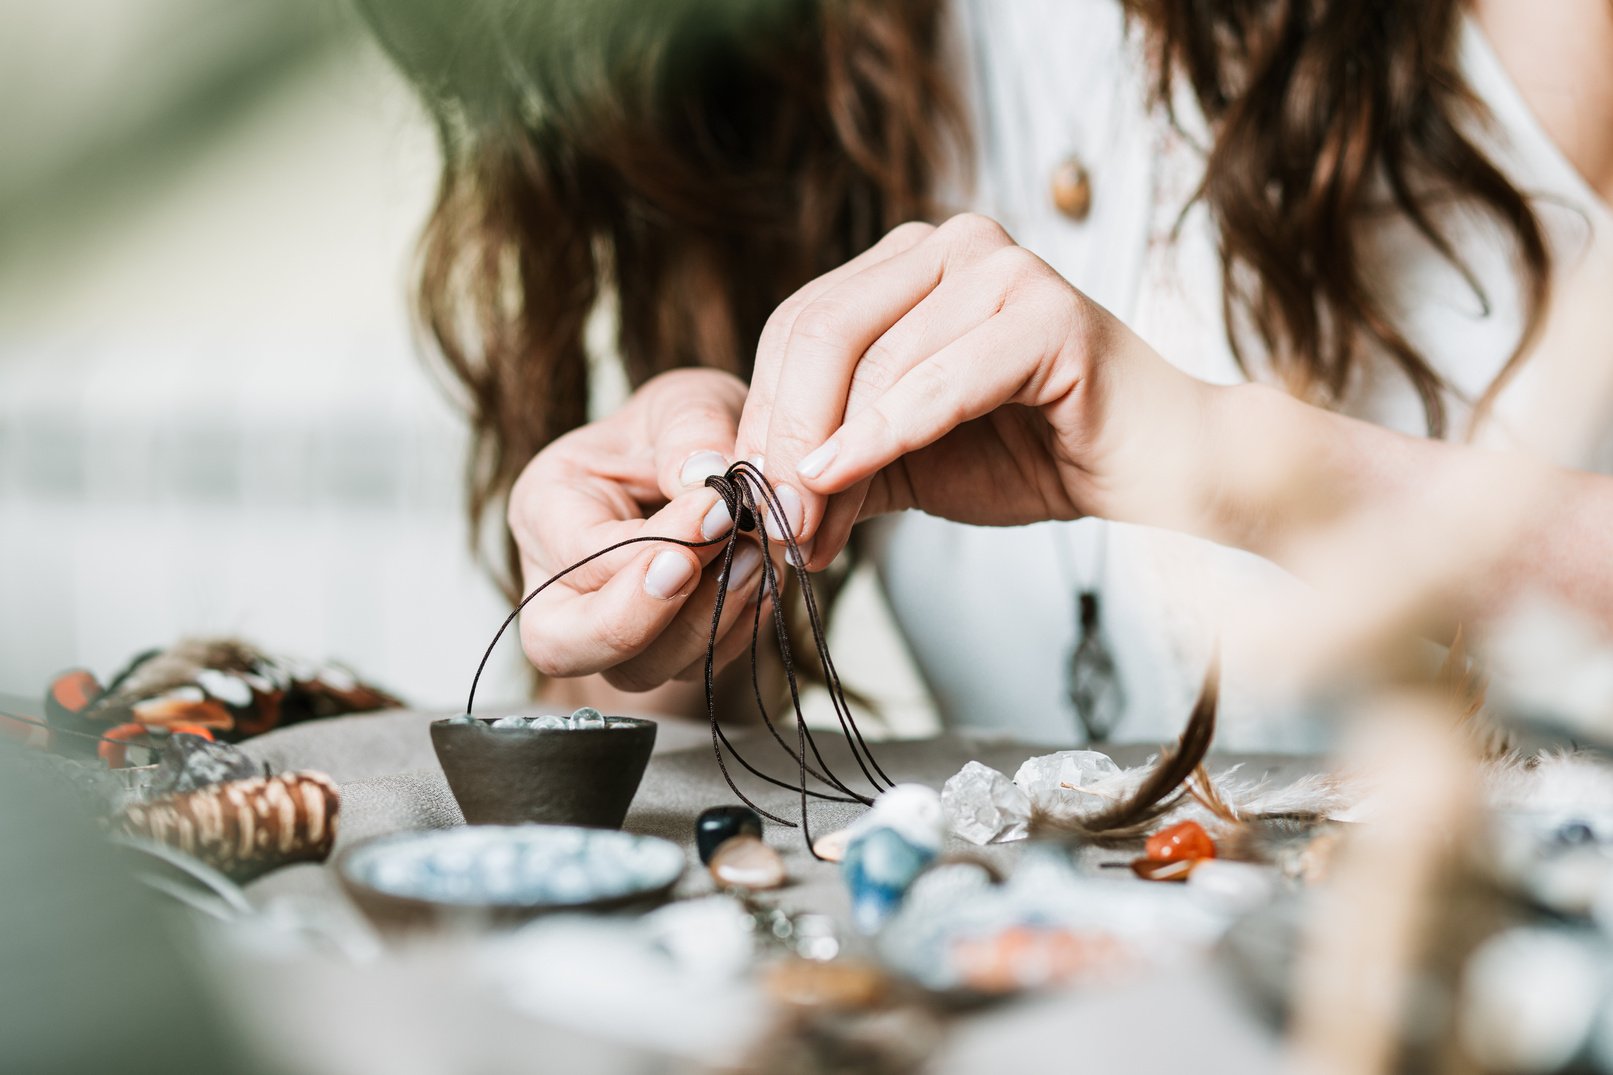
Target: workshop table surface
[[390, 781]]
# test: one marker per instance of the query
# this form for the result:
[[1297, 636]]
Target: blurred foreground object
[[82, 947], [224, 686]]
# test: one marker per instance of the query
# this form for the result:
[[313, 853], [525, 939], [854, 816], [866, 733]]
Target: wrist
[[1276, 465]]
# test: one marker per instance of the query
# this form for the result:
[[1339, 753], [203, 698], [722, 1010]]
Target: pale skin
[[949, 370]]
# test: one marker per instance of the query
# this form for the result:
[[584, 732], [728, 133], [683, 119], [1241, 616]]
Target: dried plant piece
[[1160, 790], [245, 828]]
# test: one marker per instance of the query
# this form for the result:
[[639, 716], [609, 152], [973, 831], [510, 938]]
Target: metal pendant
[[1092, 682]]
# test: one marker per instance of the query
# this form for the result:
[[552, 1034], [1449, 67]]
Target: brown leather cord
[[747, 493]]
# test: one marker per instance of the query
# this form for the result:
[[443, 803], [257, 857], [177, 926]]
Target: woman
[[1352, 200]]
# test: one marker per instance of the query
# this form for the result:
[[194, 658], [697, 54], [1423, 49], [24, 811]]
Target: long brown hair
[[1312, 103], [700, 159]]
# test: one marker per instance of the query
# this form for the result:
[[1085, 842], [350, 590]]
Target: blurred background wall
[[213, 413]]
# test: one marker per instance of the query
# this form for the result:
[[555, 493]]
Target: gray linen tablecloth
[[390, 780]]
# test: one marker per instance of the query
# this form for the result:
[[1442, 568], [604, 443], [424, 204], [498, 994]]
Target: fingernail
[[669, 573], [743, 569], [700, 466], [717, 521], [789, 503], [805, 556], [759, 461], [817, 459]]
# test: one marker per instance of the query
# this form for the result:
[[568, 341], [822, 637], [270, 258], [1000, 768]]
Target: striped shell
[[245, 827]]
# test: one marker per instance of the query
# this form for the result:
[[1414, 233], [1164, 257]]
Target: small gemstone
[[510, 722], [588, 719], [550, 723], [719, 824], [746, 862], [831, 846], [463, 718], [1185, 840]]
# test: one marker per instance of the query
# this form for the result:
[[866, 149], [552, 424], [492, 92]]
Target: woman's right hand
[[641, 615]]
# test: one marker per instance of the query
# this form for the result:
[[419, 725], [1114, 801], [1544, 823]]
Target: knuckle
[[821, 322], [1017, 263], [874, 373], [620, 635], [910, 232], [975, 230]]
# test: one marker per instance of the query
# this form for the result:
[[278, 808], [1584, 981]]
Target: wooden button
[[1072, 189]]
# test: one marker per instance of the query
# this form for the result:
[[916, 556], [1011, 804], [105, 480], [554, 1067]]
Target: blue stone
[[879, 866], [722, 823]]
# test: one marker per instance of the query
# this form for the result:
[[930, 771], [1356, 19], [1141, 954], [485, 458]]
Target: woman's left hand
[[951, 370]]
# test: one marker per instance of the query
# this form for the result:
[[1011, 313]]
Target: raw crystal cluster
[[985, 807]]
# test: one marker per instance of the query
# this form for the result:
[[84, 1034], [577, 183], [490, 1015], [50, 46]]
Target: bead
[[722, 823], [1072, 189], [831, 846], [1185, 840], [746, 862]]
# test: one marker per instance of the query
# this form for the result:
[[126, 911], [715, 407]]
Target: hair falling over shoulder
[[698, 160], [1324, 113]]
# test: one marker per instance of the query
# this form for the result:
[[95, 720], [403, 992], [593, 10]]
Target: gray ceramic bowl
[[554, 776], [489, 875]]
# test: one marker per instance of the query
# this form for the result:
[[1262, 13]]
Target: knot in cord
[[728, 486]]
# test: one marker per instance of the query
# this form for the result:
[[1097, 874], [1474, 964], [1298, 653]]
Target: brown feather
[[1161, 789], [1202, 787]]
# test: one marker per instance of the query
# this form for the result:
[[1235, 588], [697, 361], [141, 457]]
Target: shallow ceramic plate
[[505, 873]]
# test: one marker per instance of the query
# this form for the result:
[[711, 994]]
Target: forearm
[[1284, 475]]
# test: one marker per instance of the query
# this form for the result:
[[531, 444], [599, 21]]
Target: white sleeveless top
[[990, 613]]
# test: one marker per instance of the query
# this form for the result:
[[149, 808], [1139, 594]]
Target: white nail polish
[[819, 458], [669, 573], [700, 466], [747, 559], [716, 522], [789, 503]]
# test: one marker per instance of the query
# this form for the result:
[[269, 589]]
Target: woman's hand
[[949, 369], [641, 615]]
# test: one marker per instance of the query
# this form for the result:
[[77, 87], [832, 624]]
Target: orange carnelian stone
[[1185, 840]]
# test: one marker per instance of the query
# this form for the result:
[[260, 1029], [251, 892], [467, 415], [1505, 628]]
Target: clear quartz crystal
[[511, 721], [587, 718], [1044, 778], [550, 723], [463, 718], [983, 806]]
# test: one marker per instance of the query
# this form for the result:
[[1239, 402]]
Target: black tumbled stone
[[721, 823]]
